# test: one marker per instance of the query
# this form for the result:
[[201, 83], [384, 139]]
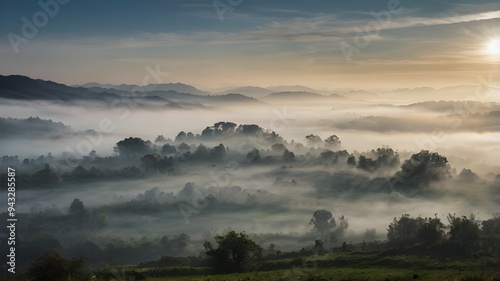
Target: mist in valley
[[140, 172]]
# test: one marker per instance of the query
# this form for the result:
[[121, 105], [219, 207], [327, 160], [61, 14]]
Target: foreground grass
[[361, 267], [357, 266], [347, 274]]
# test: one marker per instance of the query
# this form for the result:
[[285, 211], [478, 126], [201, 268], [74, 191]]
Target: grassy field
[[348, 274], [357, 267], [360, 266]]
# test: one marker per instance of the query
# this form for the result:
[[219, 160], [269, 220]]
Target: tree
[[420, 170], [207, 133], [218, 152], [76, 207], [333, 141], [491, 235], [319, 247], [201, 152], [253, 155], [132, 147], [464, 232], [341, 228], [183, 147], [467, 175], [251, 130], [385, 157], [181, 136], [402, 233], [153, 163], [160, 139], [45, 177], [54, 267], [149, 162], [323, 222], [379, 158], [224, 128], [168, 149], [366, 164], [288, 156], [313, 140], [235, 252], [428, 165], [431, 231], [278, 147], [351, 161]]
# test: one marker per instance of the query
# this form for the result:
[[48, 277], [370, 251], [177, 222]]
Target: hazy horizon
[[256, 116], [321, 45]]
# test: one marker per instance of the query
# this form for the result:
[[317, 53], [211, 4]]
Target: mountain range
[[179, 95]]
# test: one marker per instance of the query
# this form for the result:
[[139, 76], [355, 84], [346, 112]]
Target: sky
[[218, 44]]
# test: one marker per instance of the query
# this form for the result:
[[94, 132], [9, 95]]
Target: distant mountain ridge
[[17, 87], [32, 127], [251, 91], [24, 88], [301, 95], [178, 87]]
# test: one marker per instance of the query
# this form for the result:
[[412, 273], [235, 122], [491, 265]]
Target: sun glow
[[493, 47]]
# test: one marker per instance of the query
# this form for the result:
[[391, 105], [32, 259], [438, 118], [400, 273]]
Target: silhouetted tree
[[319, 247], [403, 232], [201, 152], [420, 170], [235, 252], [76, 207], [160, 139], [431, 231], [288, 156], [153, 163], [385, 157], [149, 162], [54, 267], [183, 147], [45, 177], [351, 161], [333, 141], [168, 149], [464, 232], [313, 139], [468, 175], [323, 221], [132, 147], [218, 152], [366, 164], [278, 147], [253, 155], [250, 130], [224, 128], [491, 235], [340, 229], [181, 136], [207, 133]]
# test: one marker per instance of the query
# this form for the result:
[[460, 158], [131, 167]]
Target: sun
[[493, 47]]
